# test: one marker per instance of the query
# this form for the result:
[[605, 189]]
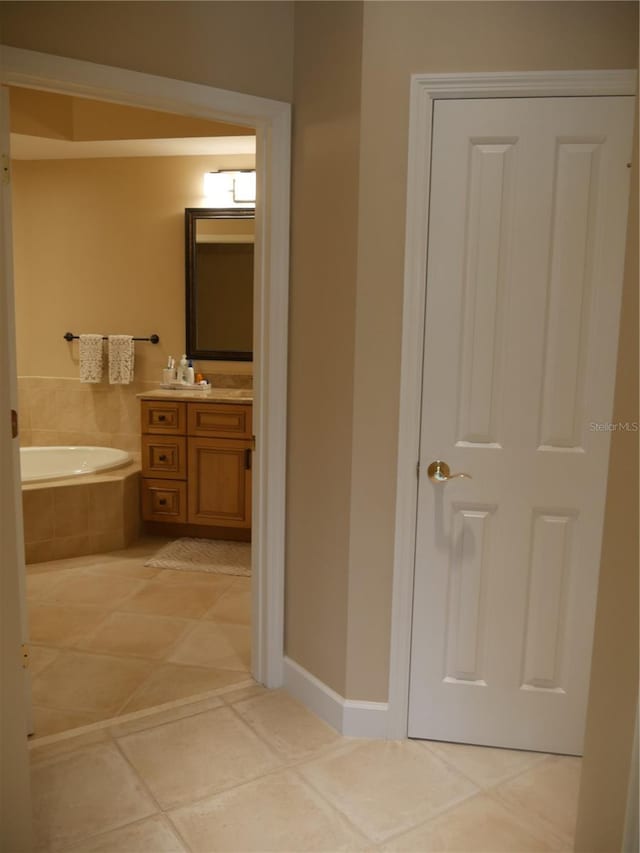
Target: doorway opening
[[270, 121]]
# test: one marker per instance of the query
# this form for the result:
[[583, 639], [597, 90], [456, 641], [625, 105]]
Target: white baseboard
[[350, 717]]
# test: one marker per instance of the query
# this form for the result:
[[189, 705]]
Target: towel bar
[[154, 339]]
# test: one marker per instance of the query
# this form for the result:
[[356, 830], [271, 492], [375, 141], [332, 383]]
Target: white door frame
[[425, 90], [272, 121]]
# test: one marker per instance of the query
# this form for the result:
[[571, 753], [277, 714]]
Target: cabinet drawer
[[164, 500], [220, 482], [219, 420], [164, 457], [160, 418]]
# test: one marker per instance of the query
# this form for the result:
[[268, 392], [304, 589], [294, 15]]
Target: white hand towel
[[91, 358], [120, 359]]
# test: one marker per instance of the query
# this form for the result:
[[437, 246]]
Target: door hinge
[[14, 423], [253, 442], [6, 169], [24, 656]]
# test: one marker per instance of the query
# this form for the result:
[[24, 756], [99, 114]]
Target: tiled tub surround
[[81, 515], [57, 411], [111, 636]]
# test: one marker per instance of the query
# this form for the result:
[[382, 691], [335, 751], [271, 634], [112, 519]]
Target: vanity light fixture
[[230, 188]]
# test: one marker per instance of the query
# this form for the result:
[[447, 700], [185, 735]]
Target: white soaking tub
[[53, 463]]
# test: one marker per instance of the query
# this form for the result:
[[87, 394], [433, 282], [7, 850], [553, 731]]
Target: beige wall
[[401, 39], [326, 140], [64, 117], [41, 113], [352, 68], [613, 694], [99, 247], [246, 47]]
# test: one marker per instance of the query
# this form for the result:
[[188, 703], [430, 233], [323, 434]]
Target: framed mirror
[[219, 246]]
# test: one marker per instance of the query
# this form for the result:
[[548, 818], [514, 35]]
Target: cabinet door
[[220, 482]]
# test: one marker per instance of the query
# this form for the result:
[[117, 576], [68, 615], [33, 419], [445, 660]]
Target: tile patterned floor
[[251, 770], [243, 769], [111, 636]]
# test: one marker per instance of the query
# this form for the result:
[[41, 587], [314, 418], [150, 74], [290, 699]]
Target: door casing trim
[[272, 121], [424, 91]]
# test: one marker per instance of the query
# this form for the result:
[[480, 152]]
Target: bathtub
[[52, 463], [78, 501]]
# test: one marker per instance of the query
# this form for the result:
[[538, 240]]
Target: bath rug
[[204, 555]]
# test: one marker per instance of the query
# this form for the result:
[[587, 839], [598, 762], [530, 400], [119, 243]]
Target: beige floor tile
[[40, 657], [276, 813], [136, 634], [198, 756], [171, 681], [51, 721], [241, 584], [41, 586], [189, 600], [41, 750], [234, 606], [243, 693], [484, 766], [478, 825], [179, 712], [385, 787], [222, 646], [547, 794], [126, 568], [113, 605], [287, 726], [83, 793], [145, 547], [151, 835], [92, 683], [62, 625], [213, 580], [88, 588]]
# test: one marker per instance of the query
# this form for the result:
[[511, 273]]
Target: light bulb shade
[[230, 188], [244, 187]]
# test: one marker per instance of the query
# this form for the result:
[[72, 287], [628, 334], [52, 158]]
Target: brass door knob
[[439, 472]]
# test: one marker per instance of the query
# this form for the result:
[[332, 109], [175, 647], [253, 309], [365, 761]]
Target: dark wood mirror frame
[[192, 215]]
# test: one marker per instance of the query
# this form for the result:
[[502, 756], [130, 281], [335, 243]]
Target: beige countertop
[[215, 395]]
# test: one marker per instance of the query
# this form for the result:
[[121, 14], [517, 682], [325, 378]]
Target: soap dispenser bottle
[[182, 369], [191, 376]]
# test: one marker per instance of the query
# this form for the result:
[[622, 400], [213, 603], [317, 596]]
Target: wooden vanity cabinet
[[196, 464]]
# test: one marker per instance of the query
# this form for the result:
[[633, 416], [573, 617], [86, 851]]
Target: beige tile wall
[[64, 411], [72, 519], [102, 513]]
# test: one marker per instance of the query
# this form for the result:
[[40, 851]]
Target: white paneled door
[[527, 219]]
